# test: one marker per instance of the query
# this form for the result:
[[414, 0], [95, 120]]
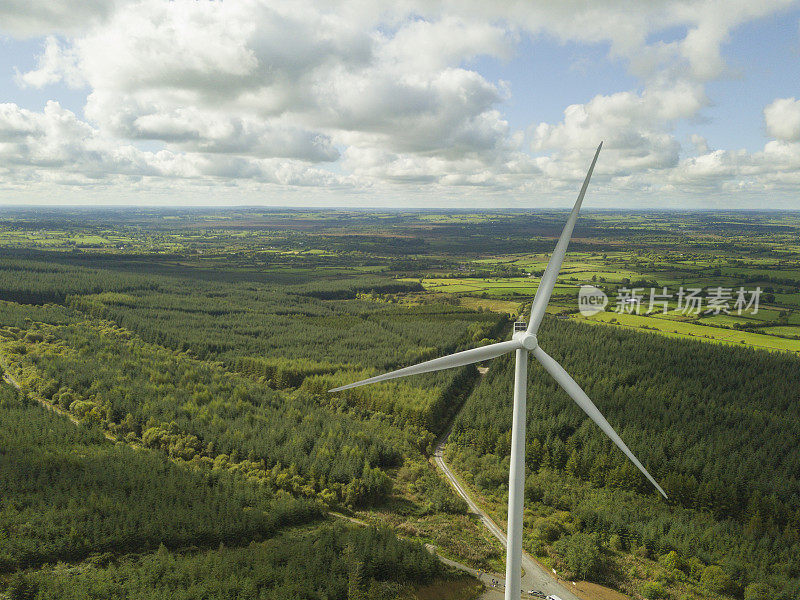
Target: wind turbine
[[523, 342]]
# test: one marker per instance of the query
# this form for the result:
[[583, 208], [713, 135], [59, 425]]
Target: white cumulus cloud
[[783, 119]]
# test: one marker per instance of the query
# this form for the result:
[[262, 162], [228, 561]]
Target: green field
[[787, 330], [691, 330]]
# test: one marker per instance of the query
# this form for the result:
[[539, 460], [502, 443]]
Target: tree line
[[331, 562]]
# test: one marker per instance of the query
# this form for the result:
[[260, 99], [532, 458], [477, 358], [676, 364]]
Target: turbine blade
[[581, 399], [458, 359], [548, 281]]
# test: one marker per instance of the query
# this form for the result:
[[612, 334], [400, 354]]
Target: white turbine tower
[[522, 343]]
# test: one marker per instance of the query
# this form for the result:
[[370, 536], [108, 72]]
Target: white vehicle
[[552, 597]]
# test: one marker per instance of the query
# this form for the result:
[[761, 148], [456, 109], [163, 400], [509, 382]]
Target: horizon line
[[388, 208]]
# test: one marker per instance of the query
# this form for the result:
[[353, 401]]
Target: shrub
[[21, 587], [695, 567], [81, 407], [615, 542], [715, 579], [671, 561], [757, 591], [17, 348], [547, 530], [653, 591], [581, 552]]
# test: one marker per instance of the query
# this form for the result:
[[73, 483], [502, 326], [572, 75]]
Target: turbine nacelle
[[527, 340]]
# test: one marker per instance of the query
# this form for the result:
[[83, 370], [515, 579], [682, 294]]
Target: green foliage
[[409, 402], [757, 591], [582, 555], [233, 320], [714, 393], [615, 542], [280, 372], [715, 579], [548, 529], [67, 493], [695, 567], [22, 587], [433, 492], [192, 409], [10, 397], [654, 590], [213, 292], [671, 561], [428, 407], [30, 281], [327, 563]]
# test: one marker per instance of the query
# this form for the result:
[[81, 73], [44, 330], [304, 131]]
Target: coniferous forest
[[718, 435], [166, 430]]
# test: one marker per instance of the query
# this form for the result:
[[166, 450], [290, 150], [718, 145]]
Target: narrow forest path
[[9, 378]]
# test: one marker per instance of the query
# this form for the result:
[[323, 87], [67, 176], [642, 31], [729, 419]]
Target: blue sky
[[410, 104], [764, 59], [547, 75]]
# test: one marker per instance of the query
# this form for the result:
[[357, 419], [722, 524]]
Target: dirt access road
[[534, 576]]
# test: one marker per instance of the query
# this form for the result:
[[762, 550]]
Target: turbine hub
[[528, 340]]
